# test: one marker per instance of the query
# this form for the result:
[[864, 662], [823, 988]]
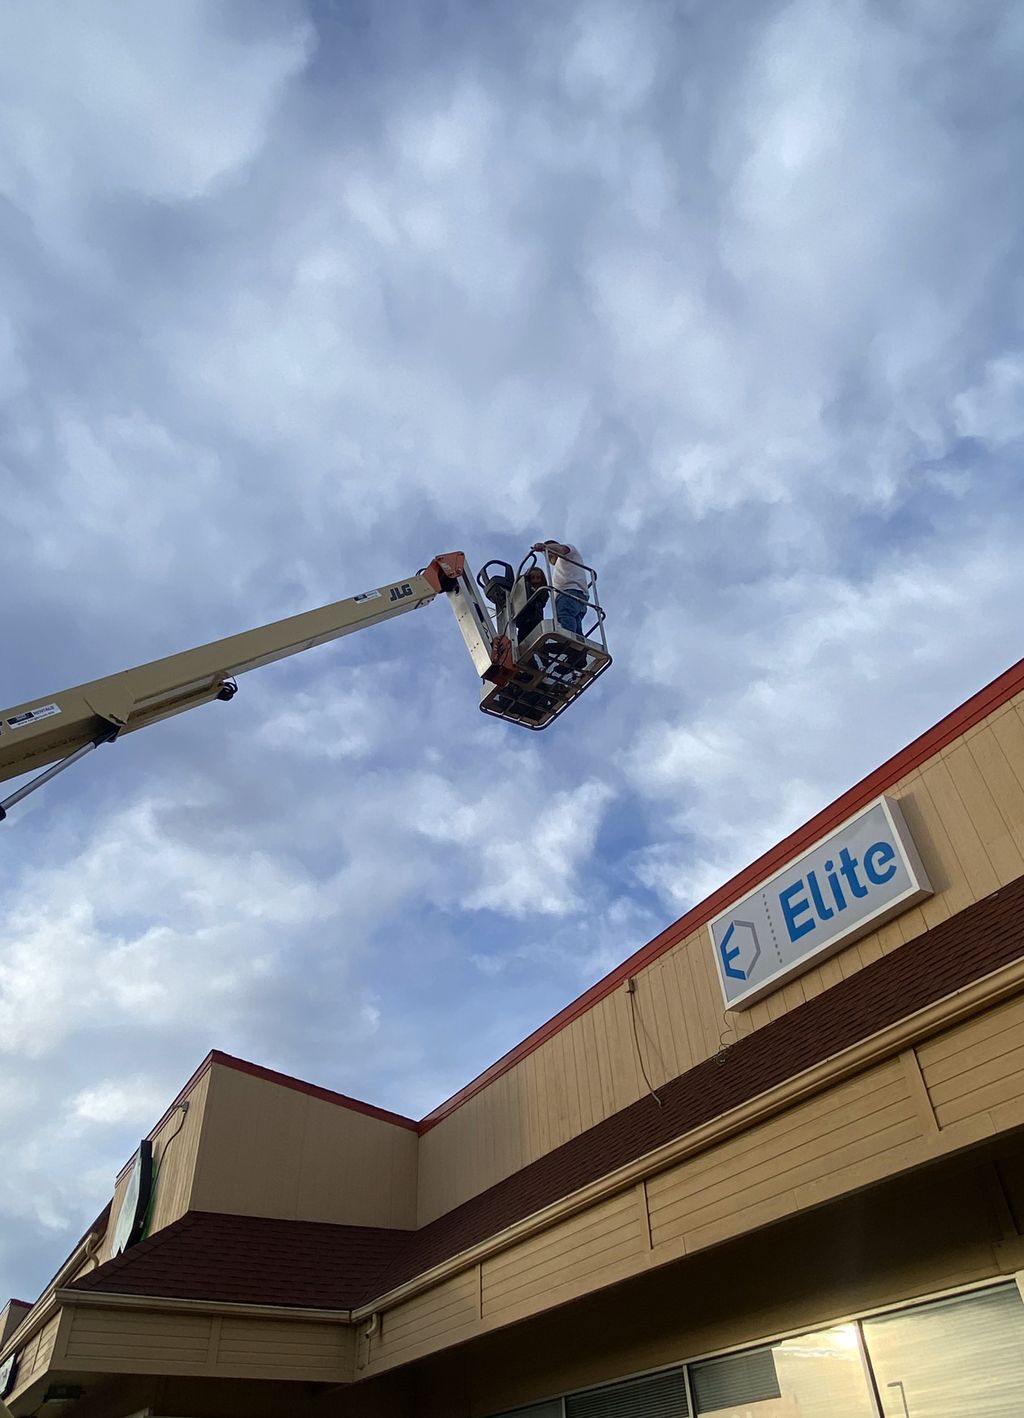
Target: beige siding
[[430, 1321], [127, 1340], [280, 1348], [269, 1150], [124, 1340], [35, 1356], [770, 1170], [965, 809], [577, 1254], [977, 1068], [859, 1132], [176, 1160]]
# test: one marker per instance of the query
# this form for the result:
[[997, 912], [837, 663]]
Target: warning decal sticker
[[31, 716]]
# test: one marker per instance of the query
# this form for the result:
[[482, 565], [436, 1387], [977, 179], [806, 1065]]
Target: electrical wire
[[631, 991], [158, 1168]]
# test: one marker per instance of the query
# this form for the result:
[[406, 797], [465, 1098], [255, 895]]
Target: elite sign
[[866, 872]]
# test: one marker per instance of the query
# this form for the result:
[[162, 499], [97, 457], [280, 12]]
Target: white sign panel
[[866, 872], [32, 716]]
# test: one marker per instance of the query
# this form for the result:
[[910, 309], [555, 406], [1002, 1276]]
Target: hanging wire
[[631, 991], [158, 1166]]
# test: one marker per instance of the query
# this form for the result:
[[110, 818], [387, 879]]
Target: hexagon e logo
[[740, 950]]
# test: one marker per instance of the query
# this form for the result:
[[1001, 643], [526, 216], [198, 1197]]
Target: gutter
[[102, 1299]]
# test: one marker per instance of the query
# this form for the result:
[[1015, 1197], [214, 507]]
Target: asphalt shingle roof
[[210, 1255]]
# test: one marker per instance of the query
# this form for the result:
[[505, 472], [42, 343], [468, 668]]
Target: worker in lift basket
[[533, 612], [569, 581]]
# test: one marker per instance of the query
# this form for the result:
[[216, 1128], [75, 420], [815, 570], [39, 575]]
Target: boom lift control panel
[[526, 678]]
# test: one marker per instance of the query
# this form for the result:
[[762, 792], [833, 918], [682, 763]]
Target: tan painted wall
[[977, 1071], [965, 810], [124, 1340], [269, 1150], [449, 1311]]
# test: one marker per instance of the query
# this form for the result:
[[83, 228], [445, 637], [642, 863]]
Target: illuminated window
[[819, 1375], [964, 1355]]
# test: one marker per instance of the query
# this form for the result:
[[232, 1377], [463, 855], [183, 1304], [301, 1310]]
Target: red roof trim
[[355, 1105], [926, 746]]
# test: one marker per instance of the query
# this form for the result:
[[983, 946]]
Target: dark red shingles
[[257, 1260]]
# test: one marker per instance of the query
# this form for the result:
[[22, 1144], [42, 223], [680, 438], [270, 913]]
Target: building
[[772, 1164]]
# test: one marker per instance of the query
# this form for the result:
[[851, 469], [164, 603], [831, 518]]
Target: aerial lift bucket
[[533, 674]]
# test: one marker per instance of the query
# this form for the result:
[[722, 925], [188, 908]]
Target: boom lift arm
[[63, 729]]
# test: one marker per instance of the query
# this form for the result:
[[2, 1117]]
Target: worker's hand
[[538, 546]]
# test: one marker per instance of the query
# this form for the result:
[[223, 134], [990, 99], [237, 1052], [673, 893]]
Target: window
[[552, 1409], [956, 1358], [819, 1375], [959, 1356], [657, 1396]]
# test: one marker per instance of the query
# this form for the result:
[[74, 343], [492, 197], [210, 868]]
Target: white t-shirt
[[567, 577]]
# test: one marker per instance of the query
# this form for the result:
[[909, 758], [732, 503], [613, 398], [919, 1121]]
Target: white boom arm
[[72, 722], [527, 689]]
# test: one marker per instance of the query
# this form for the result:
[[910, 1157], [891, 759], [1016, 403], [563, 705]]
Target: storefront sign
[[866, 872]]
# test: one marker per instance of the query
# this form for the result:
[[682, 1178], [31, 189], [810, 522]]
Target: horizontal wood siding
[[769, 1171], [283, 1347], [429, 1321], [965, 810], [35, 1356], [858, 1132], [978, 1067], [124, 1339], [577, 1252]]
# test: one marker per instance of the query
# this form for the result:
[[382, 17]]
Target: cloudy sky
[[294, 296]]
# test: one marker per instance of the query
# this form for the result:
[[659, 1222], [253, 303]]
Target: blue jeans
[[570, 608]]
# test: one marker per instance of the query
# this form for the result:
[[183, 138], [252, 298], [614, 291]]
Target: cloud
[[103, 102], [811, 704], [92, 943], [729, 295], [136, 1100], [994, 409], [528, 846]]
